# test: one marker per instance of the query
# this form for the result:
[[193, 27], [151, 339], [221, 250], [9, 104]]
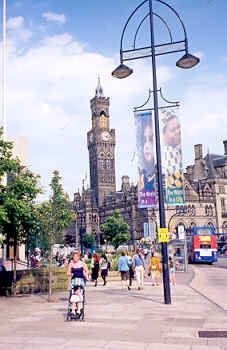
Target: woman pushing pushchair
[[78, 272]]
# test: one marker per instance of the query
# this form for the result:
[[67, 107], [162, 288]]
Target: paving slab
[[114, 319]]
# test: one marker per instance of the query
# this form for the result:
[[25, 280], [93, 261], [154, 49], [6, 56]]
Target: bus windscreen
[[204, 231]]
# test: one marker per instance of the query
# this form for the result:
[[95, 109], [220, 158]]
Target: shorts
[[124, 275], [155, 273], [78, 282]]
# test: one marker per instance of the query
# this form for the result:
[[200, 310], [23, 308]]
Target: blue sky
[[56, 49]]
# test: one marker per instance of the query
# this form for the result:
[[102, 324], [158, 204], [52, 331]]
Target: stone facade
[[205, 187]]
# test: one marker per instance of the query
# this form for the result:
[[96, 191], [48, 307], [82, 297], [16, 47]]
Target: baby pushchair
[[76, 283]]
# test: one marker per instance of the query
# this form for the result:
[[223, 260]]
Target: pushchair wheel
[[82, 316]]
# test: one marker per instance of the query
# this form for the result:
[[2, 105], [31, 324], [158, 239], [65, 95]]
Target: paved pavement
[[222, 262], [211, 282], [115, 319]]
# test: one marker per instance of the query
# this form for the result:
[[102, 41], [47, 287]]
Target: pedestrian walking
[[155, 268], [2, 267], [95, 268], [172, 271], [104, 268], [123, 268], [145, 253], [139, 268], [131, 271]]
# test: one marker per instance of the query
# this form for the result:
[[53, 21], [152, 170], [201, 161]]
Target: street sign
[[163, 235]]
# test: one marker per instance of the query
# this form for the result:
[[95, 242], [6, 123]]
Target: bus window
[[204, 231], [205, 246]]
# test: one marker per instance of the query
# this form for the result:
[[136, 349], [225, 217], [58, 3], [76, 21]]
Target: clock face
[[105, 136], [91, 137]]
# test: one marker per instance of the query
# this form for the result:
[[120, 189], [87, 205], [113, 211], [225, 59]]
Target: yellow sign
[[204, 238], [163, 235]]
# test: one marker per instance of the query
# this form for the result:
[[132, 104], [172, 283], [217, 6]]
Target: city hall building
[[205, 184]]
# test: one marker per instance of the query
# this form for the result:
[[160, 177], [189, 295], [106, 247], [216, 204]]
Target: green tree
[[115, 230], [89, 240], [17, 199], [55, 215]]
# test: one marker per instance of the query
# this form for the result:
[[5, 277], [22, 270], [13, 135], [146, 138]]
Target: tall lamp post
[[122, 71], [4, 69]]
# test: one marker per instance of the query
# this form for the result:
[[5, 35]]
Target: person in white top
[[104, 265], [76, 300]]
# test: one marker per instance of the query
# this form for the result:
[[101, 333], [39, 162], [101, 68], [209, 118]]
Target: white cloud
[[204, 119], [17, 31], [15, 23], [49, 90], [54, 17]]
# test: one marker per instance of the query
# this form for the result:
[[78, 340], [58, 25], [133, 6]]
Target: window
[[108, 164], [205, 246], [221, 189], [191, 211], [208, 210], [102, 163], [223, 205], [103, 121]]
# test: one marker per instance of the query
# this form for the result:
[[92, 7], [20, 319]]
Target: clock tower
[[101, 147]]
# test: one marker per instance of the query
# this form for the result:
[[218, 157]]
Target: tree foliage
[[54, 215], [17, 197], [115, 230], [89, 240]]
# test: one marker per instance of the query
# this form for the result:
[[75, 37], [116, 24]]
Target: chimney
[[225, 147], [198, 152]]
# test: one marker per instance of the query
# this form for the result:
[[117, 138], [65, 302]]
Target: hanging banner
[[145, 159], [174, 175], [148, 231], [145, 229], [151, 234]]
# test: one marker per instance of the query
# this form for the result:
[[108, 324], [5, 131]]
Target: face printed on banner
[[148, 150], [146, 160], [171, 132]]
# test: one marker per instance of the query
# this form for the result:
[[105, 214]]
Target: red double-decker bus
[[202, 245]]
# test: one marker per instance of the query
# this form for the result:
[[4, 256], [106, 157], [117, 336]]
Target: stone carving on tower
[[101, 147]]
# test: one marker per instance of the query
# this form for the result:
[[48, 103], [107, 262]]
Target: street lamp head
[[187, 61], [122, 71]]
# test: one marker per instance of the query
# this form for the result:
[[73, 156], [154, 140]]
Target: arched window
[[208, 210], [103, 120], [210, 224], [211, 210]]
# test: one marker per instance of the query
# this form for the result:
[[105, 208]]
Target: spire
[[99, 89]]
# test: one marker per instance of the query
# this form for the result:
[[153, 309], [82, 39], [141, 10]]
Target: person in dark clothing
[[131, 271], [95, 268], [2, 267]]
